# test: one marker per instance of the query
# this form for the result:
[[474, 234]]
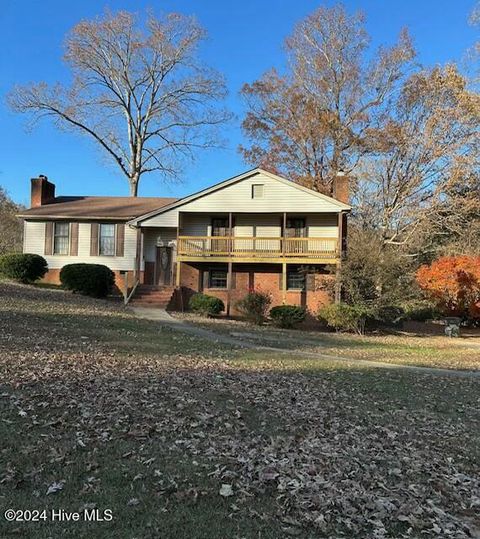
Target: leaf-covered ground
[[400, 348], [181, 438]]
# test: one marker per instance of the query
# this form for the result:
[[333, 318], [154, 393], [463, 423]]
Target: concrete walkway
[[166, 320]]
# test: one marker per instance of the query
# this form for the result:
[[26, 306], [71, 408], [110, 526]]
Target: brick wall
[[265, 277], [53, 277]]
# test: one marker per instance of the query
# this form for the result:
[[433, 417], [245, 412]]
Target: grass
[[397, 347], [151, 423]]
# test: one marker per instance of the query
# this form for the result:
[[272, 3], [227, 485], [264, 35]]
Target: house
[[256, 230]]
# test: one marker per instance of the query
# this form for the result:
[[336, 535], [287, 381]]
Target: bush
[[344, 317], [420, 311], [254, 306], [94, 280], [287, 316], [389, 315], [25, 268], [206, 305], [453, 284]]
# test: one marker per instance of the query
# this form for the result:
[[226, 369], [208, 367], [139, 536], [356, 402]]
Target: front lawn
[[397, 347], [183, 438]]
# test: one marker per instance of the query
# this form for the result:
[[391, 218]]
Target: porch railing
[[257, 247]]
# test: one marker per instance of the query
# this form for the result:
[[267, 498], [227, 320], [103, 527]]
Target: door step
[[153, 296]]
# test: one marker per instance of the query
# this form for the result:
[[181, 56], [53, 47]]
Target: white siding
[[34, 233], [237, 198], [249, 225], [322, 225]]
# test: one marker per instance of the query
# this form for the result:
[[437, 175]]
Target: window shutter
[[94, 239], [49, 237], [73, 239], [120, 243]]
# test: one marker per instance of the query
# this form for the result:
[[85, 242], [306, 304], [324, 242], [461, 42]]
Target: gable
[[277, 195]]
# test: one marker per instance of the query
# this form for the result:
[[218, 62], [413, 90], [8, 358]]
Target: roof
[[181, 201], [80, 207]]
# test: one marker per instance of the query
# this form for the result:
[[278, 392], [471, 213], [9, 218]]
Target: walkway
[[166, 320]]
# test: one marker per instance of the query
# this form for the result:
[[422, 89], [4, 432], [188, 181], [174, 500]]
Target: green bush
[[94, 280], [389, 315], [420, 311], [254, 306], [25, 268], [287, 316], [206, 305], [344, 317]]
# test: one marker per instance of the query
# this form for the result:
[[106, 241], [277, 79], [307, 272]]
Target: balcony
[[273, 249]]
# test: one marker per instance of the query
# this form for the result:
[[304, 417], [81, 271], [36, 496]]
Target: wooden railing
[[257, 247]]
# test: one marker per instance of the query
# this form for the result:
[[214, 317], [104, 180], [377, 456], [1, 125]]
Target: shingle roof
[[78, 207]]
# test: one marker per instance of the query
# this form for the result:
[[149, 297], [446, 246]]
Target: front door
[[220, 230], [163, 266]]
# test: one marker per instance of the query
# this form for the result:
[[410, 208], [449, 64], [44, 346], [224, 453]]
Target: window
[[295, 279], [257, 190], [61, 238], [296, 227], [217, 278], [106, 236]]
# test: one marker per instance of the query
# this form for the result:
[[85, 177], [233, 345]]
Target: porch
[[217, 248]]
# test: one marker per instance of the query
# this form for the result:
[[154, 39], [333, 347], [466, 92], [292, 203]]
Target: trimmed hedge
[[254, 306], [94, 280], [206, 305], [344, 317], [287, 316], [25, 268]]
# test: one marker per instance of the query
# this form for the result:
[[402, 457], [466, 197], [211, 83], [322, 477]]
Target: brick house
[[253, 231]]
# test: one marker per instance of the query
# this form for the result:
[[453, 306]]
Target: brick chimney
[[341, 187], [43, 191]]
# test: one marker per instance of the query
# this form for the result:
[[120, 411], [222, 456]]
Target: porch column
[[177, 276], [229, 287], [139, 254], [284, 283], [284, 232], [338, 285], [230, 265], [177, 261]]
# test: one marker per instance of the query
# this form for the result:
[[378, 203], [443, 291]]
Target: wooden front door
[[163, 266]]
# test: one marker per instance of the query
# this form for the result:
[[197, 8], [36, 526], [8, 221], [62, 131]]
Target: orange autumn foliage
[[453, 282]]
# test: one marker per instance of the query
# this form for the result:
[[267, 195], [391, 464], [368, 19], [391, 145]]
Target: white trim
[[225, 183]]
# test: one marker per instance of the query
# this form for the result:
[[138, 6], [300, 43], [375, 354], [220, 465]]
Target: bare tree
[[422, 177], [313, 120], [11, 227], [142, 95]]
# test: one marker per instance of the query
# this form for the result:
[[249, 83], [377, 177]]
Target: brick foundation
[[264, 277]]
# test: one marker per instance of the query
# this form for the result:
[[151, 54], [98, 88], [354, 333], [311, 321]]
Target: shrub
[[254, 306], [389, 314], [453, 283], [25, 268], [420, 311], [206, 305], [344, 317], [287, 316], [94, 280]]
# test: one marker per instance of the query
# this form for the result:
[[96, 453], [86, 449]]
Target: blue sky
[[245, 39]]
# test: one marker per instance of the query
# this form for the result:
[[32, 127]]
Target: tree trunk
[[133, 181]]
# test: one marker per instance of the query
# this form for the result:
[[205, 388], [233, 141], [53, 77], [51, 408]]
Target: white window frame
[[68, 236], [261, 188], [100, 239]]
